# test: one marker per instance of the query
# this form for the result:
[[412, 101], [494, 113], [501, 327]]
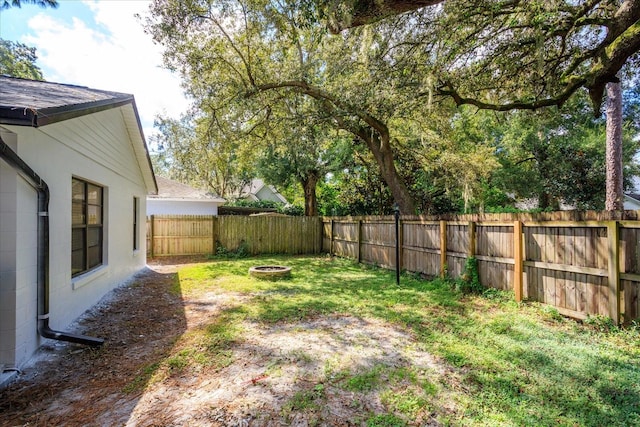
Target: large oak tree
[[254, 54], [514, 54], [491, 48], [493, 54]]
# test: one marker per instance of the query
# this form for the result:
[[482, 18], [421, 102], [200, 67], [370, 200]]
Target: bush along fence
[[179, 235], [583, 264]]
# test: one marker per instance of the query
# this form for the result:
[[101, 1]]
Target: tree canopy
[[393, 86], [252, 55], [514, 54], [18, 60]]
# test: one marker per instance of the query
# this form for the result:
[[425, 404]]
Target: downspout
[[9, 156]]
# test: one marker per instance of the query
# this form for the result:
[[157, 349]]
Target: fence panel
[[378, 243], [421, 247], [583, 263], [457, 248], [181, 235], [630, 269], [198, 235], [566, 266], [494, 252], [271, 234], [345, 242]]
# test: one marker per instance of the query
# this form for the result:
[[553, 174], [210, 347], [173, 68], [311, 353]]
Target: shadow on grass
[[515, 367]]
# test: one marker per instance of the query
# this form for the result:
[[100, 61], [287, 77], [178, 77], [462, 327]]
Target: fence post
[[152, 240], [400, 244], [214, 232], [319, 235], [613, 240], [471, 251], [359, 234], [331, 239], [443, 249], [518, 260]]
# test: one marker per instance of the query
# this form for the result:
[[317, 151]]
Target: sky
[[99, 44]]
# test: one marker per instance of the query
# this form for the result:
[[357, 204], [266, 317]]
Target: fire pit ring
[[270, 272]]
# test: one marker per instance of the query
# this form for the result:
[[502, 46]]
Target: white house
[[74, 176], [176, 198], [258, 190], [631, 202]]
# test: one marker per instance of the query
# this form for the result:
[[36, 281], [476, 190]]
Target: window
[[136, 214], [86, 226]]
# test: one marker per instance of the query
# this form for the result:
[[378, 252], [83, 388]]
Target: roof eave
[[26, 116], [23, 116], [144, 159]]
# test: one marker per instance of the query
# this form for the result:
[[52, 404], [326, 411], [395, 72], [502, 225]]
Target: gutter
[[9, 156]]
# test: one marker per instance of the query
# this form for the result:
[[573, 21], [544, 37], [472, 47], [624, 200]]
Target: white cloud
[[116, 55]]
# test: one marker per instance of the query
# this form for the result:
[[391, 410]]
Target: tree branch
[[362, 12], [447, 89], [322, 95]]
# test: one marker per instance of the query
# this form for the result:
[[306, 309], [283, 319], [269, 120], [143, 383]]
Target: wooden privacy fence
[[588, 267], [169, 235]]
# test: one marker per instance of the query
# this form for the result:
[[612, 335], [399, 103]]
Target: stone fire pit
[[270, 272]]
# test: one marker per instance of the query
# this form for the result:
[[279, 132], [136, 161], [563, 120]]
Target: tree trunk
[[614, 193], [375, 135], [309, 184], [381, 150], [544, 200]]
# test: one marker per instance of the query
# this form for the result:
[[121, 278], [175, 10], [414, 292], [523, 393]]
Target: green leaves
[[19, 60], [276, 95]]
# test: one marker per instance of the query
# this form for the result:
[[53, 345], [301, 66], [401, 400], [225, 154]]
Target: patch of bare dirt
[[271, 367]]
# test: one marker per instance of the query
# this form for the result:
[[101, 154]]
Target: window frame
[[92, 231]]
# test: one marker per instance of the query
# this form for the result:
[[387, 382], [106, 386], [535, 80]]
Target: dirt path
[[283, 374]]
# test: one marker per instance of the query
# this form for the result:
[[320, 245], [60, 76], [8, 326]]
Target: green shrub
[[601, 323], [469, 282], [223, 253], [292, 210]]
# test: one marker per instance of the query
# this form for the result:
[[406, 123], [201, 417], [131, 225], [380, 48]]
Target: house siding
[[8, 240], [631, 204], [96, 148], [266, 193], [26, 270]]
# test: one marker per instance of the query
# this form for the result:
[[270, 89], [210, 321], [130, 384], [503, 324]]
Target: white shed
[[176, 198]]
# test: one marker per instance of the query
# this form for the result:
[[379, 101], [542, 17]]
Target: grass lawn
[[503, 363]]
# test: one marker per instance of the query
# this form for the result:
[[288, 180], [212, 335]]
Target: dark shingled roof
[[37, 103]]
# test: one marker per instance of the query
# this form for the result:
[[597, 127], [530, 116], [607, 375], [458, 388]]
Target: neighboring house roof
[[173, 190], [38, 103], [251, 190]]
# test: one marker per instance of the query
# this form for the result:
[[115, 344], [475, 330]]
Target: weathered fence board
[[169, 235], [584, 263], [180, 235]]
